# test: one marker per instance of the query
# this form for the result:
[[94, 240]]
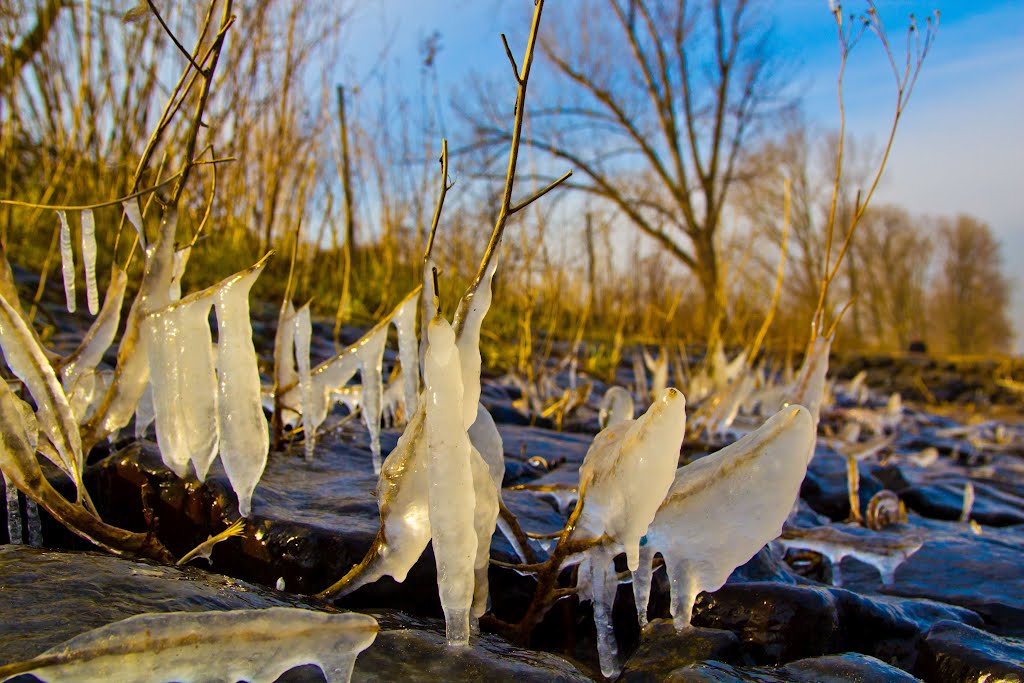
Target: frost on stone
[[450, 495], [721, 509], [184, 385], [67, 261], [302, 333], [89, 259], [616, 406], [26, 360], [370, 352], [244, 435], [256, 645]]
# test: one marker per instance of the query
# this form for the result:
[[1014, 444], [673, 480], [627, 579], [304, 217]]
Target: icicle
[[100, 335], [404, 320], [184, 385], [144, 413], [616, 406], [178, 271], [303, 330], [35, 526], [67, 261], [451, 494], [131, 212], [14, 528], [89, 257], [284, 360], [723, 508], [244, 435], [599, 582], [370, 353], [809, 388]]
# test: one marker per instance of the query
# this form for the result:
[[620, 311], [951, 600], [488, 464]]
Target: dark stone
[[662, 649], [956, 652], [829, 669], [825, 487], [775, 622]]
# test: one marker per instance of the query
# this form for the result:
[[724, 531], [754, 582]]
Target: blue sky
[[959, 149]]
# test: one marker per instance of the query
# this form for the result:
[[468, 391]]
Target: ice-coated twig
[[67, 261]]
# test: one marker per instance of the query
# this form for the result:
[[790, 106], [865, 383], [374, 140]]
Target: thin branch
[[511, 58], [522, 205], [174, 38]]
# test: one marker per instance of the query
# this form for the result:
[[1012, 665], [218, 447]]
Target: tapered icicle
[[285, 374], [131, 212], [303, 330], [184, 385], [178, 271], [451, 496], [244, 435], [404, 320], [67, 261], [14, 528], [89, 259], [371, 360], [100, 335], [35, 526]]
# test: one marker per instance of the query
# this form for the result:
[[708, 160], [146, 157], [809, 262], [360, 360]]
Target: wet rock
[[825, 487], [775, 622], [938, 493], [49, 597], [979, 572], [663, 649], [956, 652], [831, 669]]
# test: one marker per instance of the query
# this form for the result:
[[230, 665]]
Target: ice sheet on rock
[[303, 331], [89, 259], [451, 494], [100, 335], [883, 550], [723, 508], [370, 352], [244, 435], [627, 471], [184, 385], [809, 388], [616, 406], [256, 645], [404, 320], [67, 261], [26, 360]]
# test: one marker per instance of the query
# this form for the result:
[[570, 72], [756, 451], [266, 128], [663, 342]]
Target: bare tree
[[657, 130], [970, 292]]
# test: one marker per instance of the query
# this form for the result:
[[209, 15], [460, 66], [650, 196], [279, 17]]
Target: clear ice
[[721, 509], [89, 259], [244, 435], [256, 645], [370, 352], [616, 406], [450, 495], [301, 334], [67, 261]]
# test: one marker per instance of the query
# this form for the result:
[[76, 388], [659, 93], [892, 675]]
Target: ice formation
[[89, 259], [640, 377], [370, 352], [404, 319], [178, 264], [623, 479], [244, 436], [26, 360], [14, 528], [256, 645], [616, 406], [659, 372], [131, 212], [301, 334], [450, 495], [184, 384], [85, 359], [721, 509], [67, 261], [809, 388], [885, 551]]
